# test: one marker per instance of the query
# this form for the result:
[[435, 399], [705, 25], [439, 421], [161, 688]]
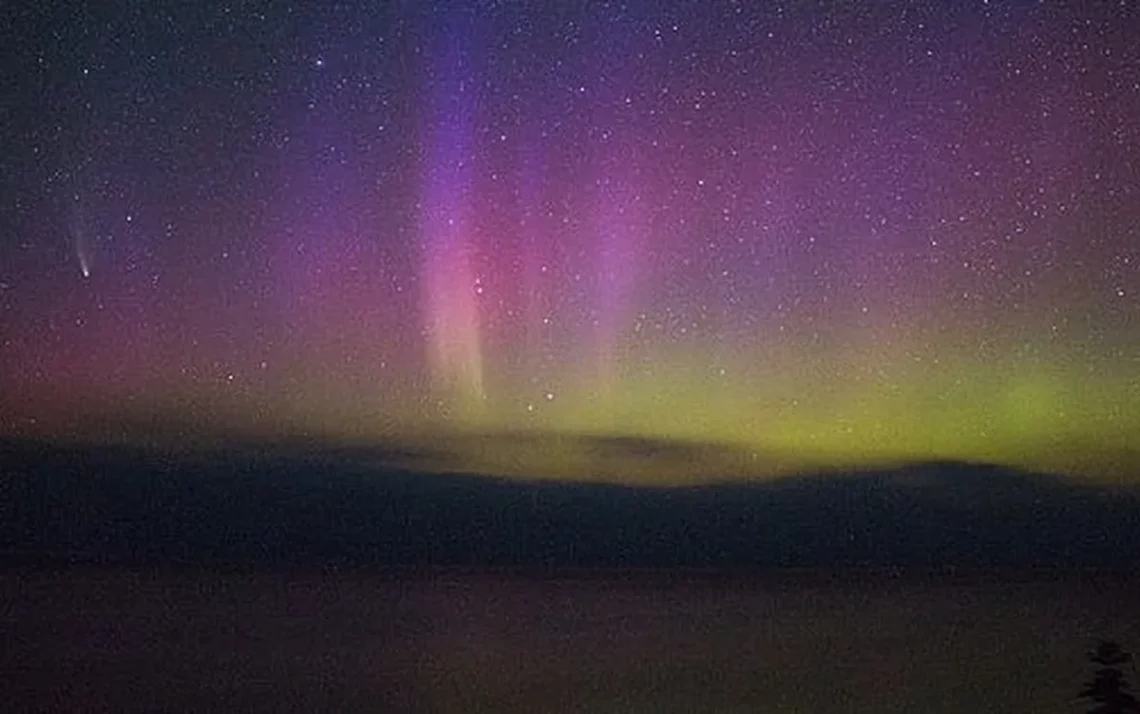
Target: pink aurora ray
[[453, 319]]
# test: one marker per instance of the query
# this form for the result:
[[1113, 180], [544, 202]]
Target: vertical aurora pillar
[[620, 246], [453, 320]]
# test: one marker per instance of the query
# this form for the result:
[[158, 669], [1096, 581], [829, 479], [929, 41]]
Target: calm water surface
[[138, 640]]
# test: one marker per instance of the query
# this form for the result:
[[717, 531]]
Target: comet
[[84, 266], [79, 238], [82, 254]]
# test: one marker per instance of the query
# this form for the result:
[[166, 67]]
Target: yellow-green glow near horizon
[[1005, 413]]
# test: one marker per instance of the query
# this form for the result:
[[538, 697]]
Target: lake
[[121, 639]]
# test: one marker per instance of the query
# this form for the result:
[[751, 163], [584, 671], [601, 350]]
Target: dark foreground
[[273, 508], [135, 639]]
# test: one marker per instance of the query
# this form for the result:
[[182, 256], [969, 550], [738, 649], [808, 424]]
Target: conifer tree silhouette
[[1108, 690]]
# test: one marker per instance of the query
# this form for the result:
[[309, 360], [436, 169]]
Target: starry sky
[[835, 230]]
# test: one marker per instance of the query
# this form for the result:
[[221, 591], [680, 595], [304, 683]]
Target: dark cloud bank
[[337, 507]]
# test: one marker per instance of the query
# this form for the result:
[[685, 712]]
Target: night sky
[[840, 230]]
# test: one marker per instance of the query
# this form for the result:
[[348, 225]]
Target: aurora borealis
[[839, 231]]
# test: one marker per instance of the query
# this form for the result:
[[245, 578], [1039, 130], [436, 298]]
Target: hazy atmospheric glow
[[852, 231]]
